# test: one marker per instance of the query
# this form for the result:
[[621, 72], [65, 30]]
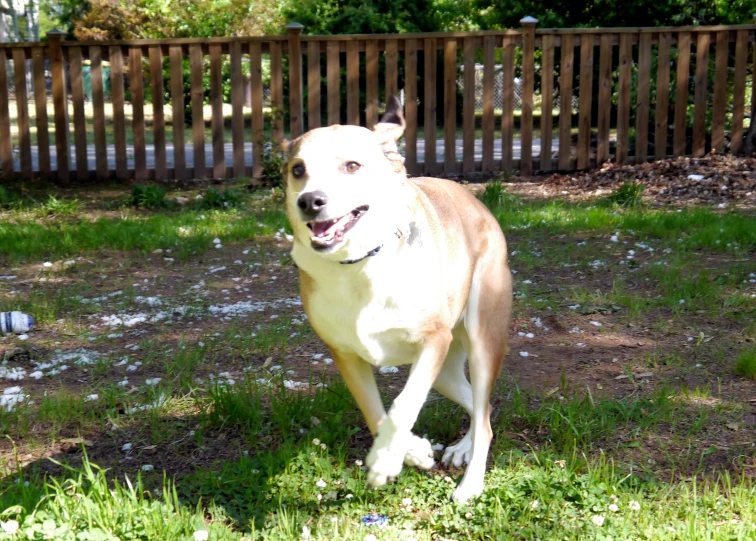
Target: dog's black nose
[[311, 203]]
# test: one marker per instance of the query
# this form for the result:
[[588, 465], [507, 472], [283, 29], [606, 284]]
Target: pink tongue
[[323, 228]]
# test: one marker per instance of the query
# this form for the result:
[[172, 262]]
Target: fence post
[[60, 103], [295, 78], [528, 76]]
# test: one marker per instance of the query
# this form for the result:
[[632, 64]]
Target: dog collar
[[370, 253]]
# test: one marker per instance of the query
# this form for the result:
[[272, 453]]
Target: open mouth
[[329, 232]]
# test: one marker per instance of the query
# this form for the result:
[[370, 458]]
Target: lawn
[[172, 388]]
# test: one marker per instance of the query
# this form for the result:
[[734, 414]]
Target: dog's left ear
[[391, 126]]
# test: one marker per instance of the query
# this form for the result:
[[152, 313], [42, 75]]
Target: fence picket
[[489, 51], [565, 101], [80, 119], [468, 106], [40, 106], [429, 56], [22, 111], [371, 83], [276, 90], [98, 112], [526, 116], [119, 115], [642, 98], [720, 92], [333, 83], [392, 55], [258, 118], [410, 105], [158, 111], [6, 149], [450, 106], [681, 95], [701, 91], [198, 117], [623, 98], [662, 97], [237, 110], [176, 58], [584, 110], [739, 87], [313, 85], [353, 83], [547, 97], [604, 99]]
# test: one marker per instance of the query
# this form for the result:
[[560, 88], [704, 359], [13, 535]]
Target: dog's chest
[[372, 322]]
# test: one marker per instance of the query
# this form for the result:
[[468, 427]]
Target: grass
[[240, 435], [745, 364]]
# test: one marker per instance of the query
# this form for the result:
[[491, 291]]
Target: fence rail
[[527, 99]]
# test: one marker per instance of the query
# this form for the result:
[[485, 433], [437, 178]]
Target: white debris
[[91, 397], [596, 324], [152, 381], [524, 354], [11, 397], [388, 369], [695, 177]]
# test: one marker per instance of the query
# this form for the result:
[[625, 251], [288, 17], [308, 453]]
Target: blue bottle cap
[[374, 519]]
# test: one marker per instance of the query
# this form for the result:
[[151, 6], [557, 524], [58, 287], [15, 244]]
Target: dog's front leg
[[395, 443], [360, 380]]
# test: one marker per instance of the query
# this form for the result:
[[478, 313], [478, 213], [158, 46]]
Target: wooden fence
[[687, 89]]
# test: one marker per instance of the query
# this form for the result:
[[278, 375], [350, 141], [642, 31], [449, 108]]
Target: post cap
[[57, 33], [525, 21], [294, 27]]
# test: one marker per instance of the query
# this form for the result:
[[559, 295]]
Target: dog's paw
[[460, 453], [468, 488], [419, 454], [386, 457]]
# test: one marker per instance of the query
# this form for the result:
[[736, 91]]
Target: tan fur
[[440, 286]]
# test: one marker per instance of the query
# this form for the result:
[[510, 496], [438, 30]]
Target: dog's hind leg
[[487, 324], [452, 383]]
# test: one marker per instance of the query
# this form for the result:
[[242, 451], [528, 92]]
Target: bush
[[10, 199], [148, 197]]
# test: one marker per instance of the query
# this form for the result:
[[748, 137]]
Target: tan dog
[[398, 271]]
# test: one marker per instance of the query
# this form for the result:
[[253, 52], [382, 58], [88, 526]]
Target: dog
[[395, 271]]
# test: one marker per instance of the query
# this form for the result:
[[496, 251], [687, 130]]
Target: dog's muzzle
[[327, 233]]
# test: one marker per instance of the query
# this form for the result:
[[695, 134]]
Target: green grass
[[745, 364], [643, 465], [551, 491]]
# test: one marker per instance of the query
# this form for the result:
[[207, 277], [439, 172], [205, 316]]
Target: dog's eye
[[298, 170], [352, 167]]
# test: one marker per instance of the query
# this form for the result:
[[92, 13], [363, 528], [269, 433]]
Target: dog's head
[[344, 186]]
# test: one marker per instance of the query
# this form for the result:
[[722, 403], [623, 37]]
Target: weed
[[148, 196], [628, 195], [10, 199], [745, 364], [55, 206], [219, 199]]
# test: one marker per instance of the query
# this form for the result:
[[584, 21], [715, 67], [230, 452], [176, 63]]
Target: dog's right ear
[[391, 126]]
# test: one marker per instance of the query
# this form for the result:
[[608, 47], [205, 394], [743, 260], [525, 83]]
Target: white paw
[[467, 489], [458, 454], [386, 457], [419, 454]]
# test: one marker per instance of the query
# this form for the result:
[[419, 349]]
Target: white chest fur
[[373, 310]]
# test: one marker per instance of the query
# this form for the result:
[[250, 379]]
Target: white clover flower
[[10, 527], [320, 497], [323, 446], [535, 505], [407, 502], [358, 462], [201, 535], [305, 533], [613, 507], [321, 484], [316, 441], [349, 496], [371, 537], [634, 506], [598, 520]]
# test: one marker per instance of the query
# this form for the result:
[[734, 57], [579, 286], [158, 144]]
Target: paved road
[[228, 153]]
